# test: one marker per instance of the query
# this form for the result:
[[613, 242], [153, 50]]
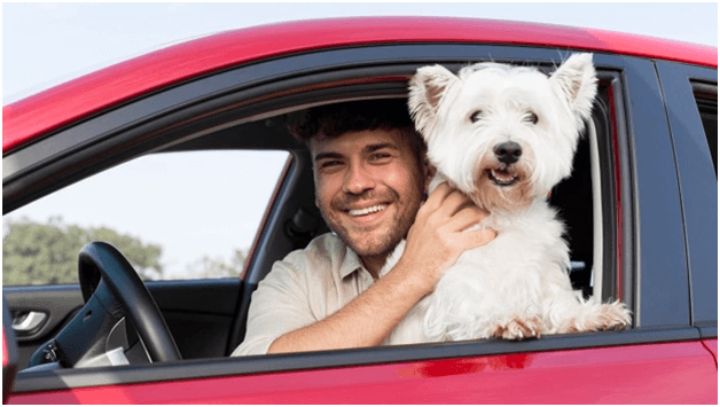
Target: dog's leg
[[519, 328], [598, 317], [590, 316]]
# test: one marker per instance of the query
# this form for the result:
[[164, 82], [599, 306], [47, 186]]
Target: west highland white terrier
[[505, 135]]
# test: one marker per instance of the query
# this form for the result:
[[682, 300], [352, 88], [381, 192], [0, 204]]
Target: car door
[[643, 257]]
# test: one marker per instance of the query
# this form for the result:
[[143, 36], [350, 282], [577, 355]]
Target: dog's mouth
[[502, 176]]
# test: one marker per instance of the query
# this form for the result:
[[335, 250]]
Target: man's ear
[[577, 82], [426, 90]]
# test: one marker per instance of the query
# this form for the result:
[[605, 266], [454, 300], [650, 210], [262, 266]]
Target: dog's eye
[[531, 117], [476, 116]]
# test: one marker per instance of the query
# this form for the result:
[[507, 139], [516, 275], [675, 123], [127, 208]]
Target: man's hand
[[440, 234]]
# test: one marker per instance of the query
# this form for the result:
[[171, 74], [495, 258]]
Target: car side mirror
[[9, 353]]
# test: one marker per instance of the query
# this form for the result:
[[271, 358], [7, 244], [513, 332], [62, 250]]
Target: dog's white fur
[[516, 286]]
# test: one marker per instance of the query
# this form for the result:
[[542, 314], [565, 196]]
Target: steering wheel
[[98, 334]]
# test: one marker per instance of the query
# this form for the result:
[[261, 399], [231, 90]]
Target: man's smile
[[367, 216], [363, 211]]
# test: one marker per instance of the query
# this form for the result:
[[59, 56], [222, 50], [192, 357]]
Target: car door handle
[[28, 322]]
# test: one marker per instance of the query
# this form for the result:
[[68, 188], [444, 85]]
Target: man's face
[[369, 186]]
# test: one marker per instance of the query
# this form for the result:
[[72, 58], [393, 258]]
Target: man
[[370, 179]]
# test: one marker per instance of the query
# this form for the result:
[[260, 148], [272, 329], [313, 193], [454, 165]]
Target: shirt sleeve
[[278, 306]]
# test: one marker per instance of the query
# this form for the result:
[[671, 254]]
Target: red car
[[641, 210]]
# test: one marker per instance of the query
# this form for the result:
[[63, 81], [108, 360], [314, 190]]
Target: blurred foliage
[[47, 253], [210, 267]]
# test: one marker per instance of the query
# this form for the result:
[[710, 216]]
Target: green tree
[[47, 253], [214, 267]]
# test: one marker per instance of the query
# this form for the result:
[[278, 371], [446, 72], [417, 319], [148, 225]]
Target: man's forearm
[[365, 321]]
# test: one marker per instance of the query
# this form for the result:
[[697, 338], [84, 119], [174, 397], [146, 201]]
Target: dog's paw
[[519, 328], [612, 317]]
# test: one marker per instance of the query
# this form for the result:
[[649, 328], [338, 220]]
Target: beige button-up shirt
[[308, 286]]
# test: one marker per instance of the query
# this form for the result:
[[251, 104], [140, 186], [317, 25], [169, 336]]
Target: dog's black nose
[[508, 152]]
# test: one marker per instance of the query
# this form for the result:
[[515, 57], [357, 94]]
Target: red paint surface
[[5, 352], [61, 105], [712, 346], [675, 373]]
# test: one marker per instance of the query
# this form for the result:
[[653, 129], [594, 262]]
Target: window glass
[[706, 98], [179, 215]]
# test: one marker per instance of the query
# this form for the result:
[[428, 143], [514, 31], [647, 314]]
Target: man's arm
[[434, 242]]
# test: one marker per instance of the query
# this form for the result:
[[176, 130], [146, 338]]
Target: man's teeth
[[365, 211]]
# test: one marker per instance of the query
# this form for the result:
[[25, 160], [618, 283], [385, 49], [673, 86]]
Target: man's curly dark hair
[[330, 121]]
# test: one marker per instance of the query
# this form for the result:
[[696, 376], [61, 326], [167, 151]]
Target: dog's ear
[[577, 82], [426, 89]]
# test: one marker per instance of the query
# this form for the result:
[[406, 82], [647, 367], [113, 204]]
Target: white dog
[[505, 136]]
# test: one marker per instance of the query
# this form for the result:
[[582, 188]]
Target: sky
[[45, 44]]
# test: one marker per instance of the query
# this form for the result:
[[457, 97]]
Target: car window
[[706, 98], [177, 215]]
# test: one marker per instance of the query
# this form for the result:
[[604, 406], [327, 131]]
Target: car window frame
[[225, 93], [697, 185]]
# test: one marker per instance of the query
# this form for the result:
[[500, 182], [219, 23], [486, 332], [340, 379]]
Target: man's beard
[[372, 244]]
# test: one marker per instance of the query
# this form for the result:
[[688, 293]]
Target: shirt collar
[[351, 263]]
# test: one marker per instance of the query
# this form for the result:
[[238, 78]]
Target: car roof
[[49, 110]]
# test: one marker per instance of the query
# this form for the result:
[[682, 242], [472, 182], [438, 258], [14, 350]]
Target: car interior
[[292, 219]]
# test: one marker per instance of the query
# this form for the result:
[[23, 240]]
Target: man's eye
[[330, 164], [379, 157]]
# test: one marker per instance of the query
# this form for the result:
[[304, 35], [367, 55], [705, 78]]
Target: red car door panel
[[674, 372], [712, 346]]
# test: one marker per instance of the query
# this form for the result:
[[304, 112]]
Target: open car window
[[175, 215]]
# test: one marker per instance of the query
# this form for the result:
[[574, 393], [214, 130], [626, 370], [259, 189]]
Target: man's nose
[[358, 180]]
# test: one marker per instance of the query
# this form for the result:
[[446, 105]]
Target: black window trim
[[706, 93], [683, 83], [659, 269]]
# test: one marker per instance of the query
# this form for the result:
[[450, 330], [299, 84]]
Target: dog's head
[[504, 135]]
